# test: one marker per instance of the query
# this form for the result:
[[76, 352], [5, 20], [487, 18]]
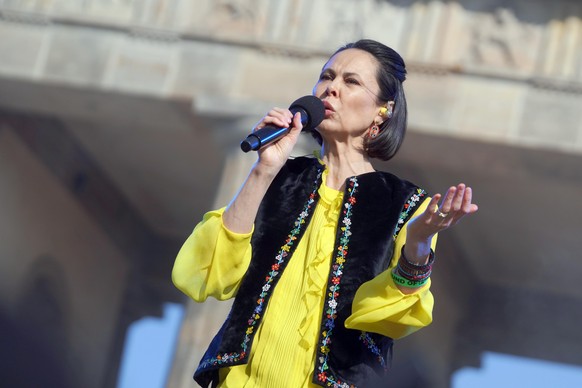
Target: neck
[[342, 162]]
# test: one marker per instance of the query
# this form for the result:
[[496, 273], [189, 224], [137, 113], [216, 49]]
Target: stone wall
[[508, 73]]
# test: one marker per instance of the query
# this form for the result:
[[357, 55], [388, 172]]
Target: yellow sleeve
[[380, 307], [212, 260]]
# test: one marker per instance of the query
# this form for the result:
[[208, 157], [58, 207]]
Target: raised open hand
[[456, 204]]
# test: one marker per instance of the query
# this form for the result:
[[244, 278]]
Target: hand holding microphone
[[312, 112]]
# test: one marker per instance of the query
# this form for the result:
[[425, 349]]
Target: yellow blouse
[[213, 261]]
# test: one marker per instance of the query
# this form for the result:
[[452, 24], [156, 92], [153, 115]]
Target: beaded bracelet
[[413, 274], [415, 268], [409, 274]]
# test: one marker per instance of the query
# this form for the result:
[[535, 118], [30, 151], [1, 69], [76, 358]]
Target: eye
[[352, 81], [325, 77]]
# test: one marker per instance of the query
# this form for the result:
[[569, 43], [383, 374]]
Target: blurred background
[[120, 124]]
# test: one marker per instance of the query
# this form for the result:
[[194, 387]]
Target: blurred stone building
[[119, 127]]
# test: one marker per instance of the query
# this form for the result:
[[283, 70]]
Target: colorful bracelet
[[412, 267], [401, 281], [409, 274]]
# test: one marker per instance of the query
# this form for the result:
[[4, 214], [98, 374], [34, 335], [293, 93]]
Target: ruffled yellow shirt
[[213, 261]]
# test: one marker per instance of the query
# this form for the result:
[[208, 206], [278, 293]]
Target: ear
[[386, 112]]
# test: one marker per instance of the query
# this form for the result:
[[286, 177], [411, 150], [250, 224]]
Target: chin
[[325, 126]]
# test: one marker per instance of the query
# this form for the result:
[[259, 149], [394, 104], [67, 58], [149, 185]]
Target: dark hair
[[391, 75]]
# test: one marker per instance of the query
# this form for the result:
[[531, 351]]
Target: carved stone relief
[[234, 18], [345, 22], [500, 40]]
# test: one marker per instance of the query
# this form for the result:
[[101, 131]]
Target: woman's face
[[348, 87]]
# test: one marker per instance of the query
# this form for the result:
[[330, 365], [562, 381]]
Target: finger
[[467, 198], [468, 206], [433, 205], [457, 202], [277, 117], [448, 200], [281, 117], [297, 122]]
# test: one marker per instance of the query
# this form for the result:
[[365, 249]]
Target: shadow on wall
[[33, 339], [27, 361]]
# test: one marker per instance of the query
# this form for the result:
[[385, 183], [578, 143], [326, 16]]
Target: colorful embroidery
[[407, 209], [331, 382], [223, 359], [279, 260], [333, 295], [371, 345]]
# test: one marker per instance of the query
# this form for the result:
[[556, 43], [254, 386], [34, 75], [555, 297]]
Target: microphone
[[312, 113]]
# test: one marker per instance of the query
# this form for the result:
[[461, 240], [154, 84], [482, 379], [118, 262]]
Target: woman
[[329, 260]]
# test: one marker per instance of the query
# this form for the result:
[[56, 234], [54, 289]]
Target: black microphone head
[[314, 108]]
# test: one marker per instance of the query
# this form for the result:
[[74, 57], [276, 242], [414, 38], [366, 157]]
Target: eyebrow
[[352, 74], [348, 74]]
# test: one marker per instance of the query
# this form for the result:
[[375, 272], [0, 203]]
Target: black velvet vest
[[375, 207]]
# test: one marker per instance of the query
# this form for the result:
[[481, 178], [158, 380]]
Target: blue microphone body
[[312, 113]]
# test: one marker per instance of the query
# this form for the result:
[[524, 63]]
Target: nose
[[331, 89]]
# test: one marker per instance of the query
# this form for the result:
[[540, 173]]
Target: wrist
[[264, 172], [417, 251], [412, 275]]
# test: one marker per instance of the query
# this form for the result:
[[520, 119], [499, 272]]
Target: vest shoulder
[[296, 173], [394, 181], [300, 163]]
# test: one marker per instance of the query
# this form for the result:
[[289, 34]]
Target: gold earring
[[383, 111]]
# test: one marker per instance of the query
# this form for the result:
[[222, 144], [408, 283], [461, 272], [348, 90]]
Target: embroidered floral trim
[[407, 209], [333, 295], [222, 359], [331, 382], [283, 253], [371, 345]]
